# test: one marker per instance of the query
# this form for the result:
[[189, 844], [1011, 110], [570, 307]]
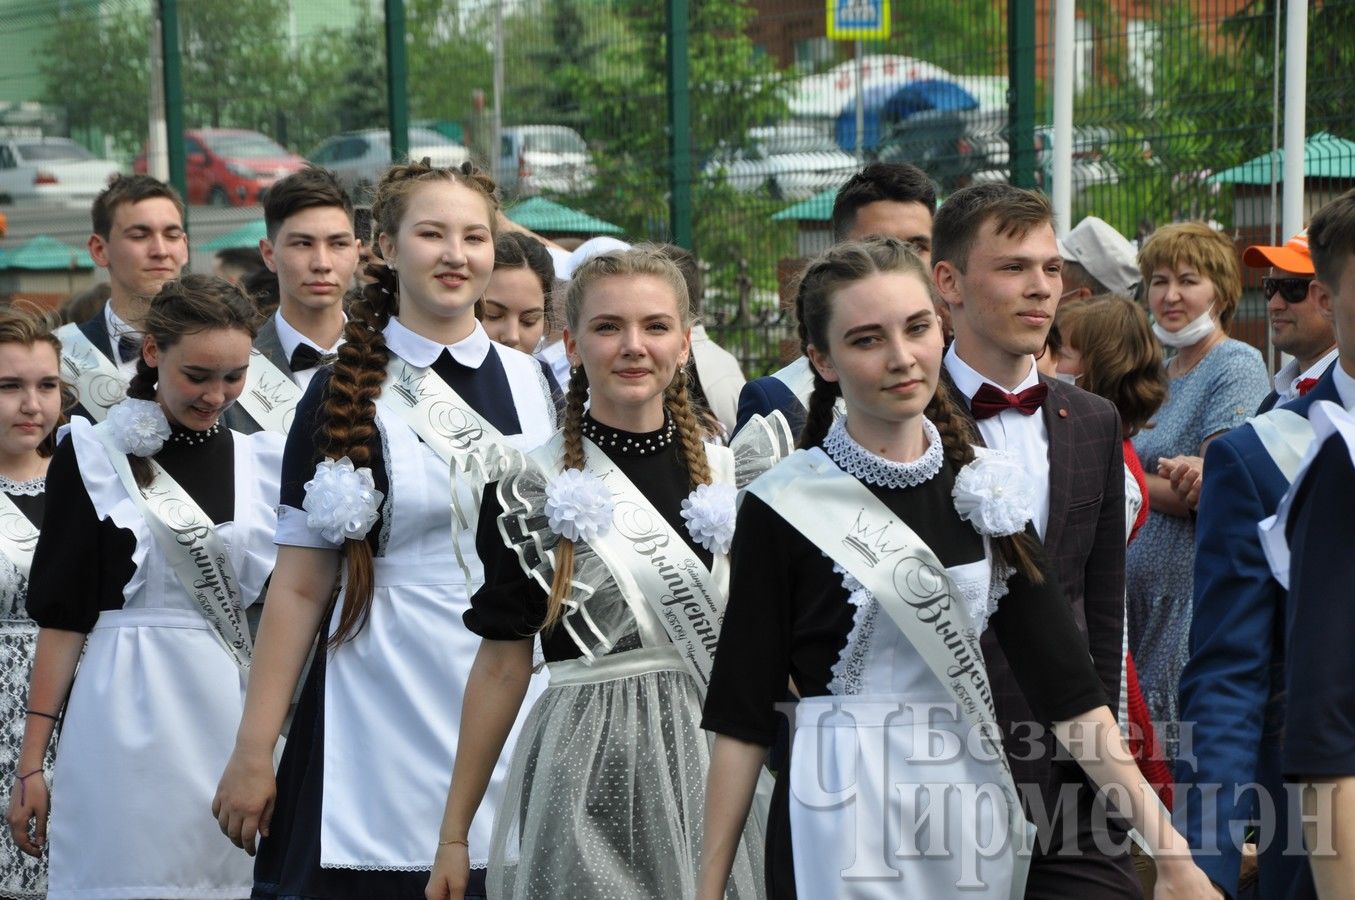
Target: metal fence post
[[397, 77], [679, 127], [173, 75], [1021, 91]]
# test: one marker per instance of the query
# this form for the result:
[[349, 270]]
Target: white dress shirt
[[420, 351], [1288, 378], [290, 339], [1025, 437]]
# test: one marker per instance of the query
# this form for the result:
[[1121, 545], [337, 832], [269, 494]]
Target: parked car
[[54, 168], [231, 166], [536, 158], [949, 145], [358, 158], [790, 162]]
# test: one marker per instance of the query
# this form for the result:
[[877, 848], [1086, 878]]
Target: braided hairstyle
[[186, 305], [348, 412], [639, 260], [839, 267]]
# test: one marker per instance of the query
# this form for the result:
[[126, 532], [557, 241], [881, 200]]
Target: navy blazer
[[1232, 687], [765, 395]]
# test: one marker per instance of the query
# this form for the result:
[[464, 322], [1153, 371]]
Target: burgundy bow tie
[[1305, 385], [989, 401]]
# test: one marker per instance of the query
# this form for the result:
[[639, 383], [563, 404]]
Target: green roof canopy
[[542, 215], [244, 236], [45, 253], [1324, 156], [818, 208]]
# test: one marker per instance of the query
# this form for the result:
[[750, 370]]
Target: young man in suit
[[1233, 685], [138, 236], [997, 266], [311, 247], [895, 200]]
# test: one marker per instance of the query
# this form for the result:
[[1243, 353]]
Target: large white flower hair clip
[[139, 427], [994, 494], [578, 505], [710, 511], [342, 502]]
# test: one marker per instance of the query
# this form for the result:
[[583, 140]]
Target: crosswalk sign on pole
[[854, 20]]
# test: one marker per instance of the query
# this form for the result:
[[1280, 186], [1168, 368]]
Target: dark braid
[[689, 429], [348, 414], [819, 415]]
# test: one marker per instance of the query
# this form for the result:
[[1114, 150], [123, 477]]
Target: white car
[[358, 158], [51, 168], [536, 158], [791, 162]]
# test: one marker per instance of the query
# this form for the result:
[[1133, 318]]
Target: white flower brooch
[[139, 427], [710, 511], [994, 493], [341, 502], [578, 505]]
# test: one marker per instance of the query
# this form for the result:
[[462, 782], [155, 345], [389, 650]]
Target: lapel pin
[[1063, 413]]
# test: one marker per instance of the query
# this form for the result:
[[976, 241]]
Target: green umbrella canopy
[[818, 208], [45, 253], [244, 236], [542, 215], [1324, 156]]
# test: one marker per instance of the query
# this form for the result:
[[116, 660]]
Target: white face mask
[[1194, 332]]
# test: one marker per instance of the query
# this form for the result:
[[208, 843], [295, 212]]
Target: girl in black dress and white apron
[[865, 567], [418, 389], [157, 531]]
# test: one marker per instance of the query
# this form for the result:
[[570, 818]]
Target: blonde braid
[[689, 429], [570, 458]]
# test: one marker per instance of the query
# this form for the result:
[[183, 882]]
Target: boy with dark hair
[[312, 249], [997, 267], [894, 200], [138, 236]]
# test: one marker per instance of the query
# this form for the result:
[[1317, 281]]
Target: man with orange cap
[[1297, 325]]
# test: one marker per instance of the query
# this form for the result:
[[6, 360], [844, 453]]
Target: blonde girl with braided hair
[[609, 543], [864, 569], [370, 561]]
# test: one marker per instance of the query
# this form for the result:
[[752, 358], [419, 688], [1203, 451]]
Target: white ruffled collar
[[865, 466], [420, 351]]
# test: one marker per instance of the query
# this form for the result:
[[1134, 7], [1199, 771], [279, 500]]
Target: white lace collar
[[860, 463], [31, 488]]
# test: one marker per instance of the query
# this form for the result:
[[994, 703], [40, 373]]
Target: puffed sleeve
[[752, 661], [1046, 651], [81, 564], [510, 605], [298, 467]]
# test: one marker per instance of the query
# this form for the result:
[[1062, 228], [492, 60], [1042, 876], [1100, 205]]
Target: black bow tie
[[129, 347], [307, 357]]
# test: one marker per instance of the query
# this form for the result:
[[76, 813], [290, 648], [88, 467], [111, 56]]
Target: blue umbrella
[[888, 103]]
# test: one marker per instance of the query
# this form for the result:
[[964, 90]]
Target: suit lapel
[[97, 332], [270, 346], [1059, 428]]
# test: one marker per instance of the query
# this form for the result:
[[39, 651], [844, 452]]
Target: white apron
[[153, 713], [393, 693]]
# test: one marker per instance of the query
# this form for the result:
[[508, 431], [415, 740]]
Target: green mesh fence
[[568, 100]]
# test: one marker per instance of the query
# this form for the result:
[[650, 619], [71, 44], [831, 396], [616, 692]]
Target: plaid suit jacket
[[1084, 541]]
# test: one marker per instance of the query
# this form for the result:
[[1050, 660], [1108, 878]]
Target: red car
[[231, 166]]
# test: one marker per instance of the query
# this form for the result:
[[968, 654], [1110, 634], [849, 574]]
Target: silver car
[[791, 162], [53, 168], [358, 158]]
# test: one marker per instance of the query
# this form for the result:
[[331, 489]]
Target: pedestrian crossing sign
[[850, 20]]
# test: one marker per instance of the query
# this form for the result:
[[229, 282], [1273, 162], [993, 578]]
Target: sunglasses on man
[[1293, 288]]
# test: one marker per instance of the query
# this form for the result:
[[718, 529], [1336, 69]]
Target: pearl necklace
[[628, 443], [191, 438]]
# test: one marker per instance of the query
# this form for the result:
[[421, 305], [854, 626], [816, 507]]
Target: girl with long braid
[[609, 542], [158, 529], [865, 567], [369, 561]]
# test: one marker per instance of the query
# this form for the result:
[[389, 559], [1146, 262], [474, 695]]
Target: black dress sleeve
[[1046, 651], [752, 661], [81, 564], [511, 605]]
